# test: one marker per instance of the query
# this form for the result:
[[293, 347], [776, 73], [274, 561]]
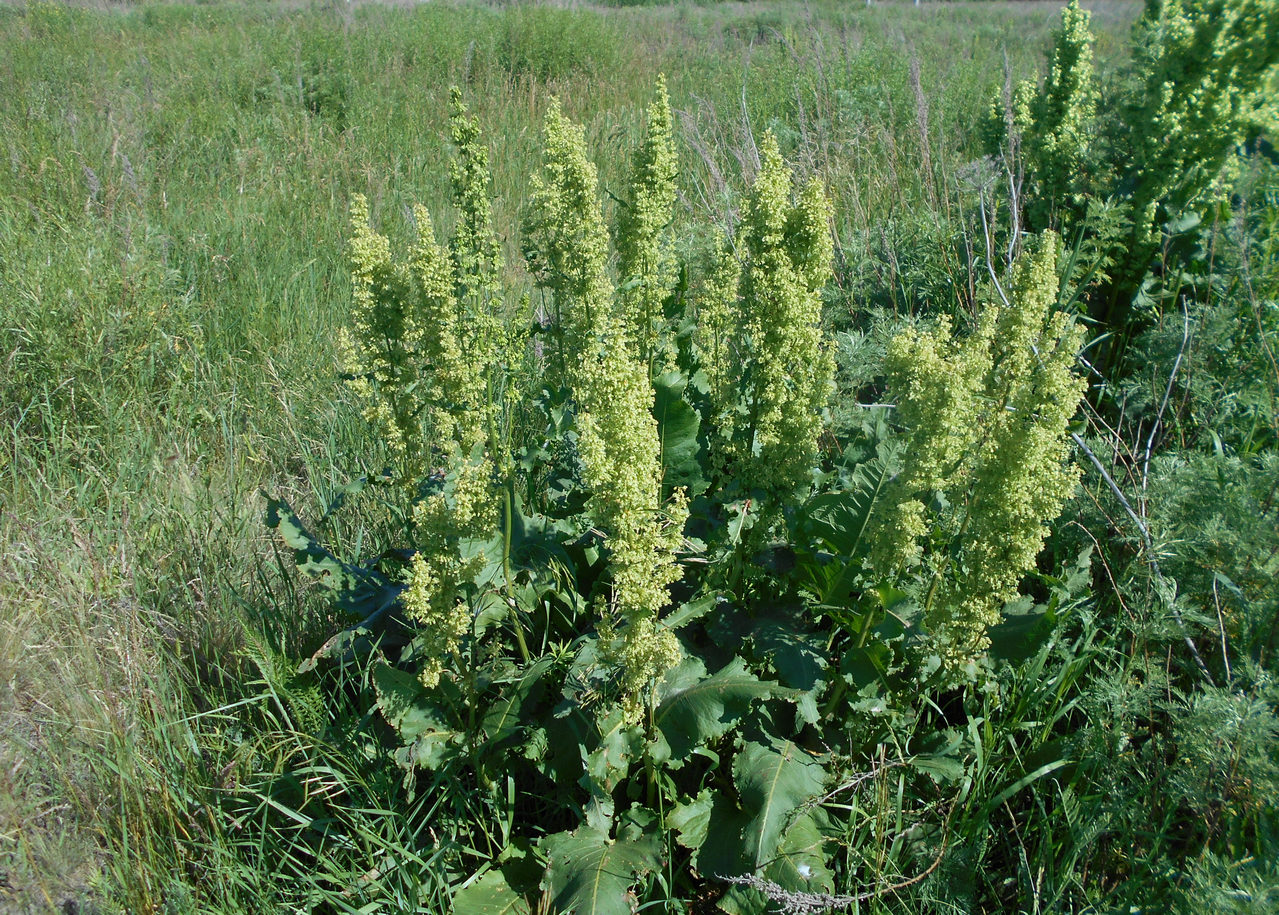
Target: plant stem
[[508, 499]]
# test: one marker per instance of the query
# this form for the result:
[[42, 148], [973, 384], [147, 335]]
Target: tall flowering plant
[[618, 621]]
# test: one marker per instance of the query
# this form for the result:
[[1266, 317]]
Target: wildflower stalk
[[646, 260], [617, 435], [760, 337], [988, 422]]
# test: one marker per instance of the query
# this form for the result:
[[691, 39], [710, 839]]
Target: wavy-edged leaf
[[508, 714], [677, 426], [587, 873], [691, 820], [490, 895], [692, 610], [772, 781], [840, 521], [694, 708], [312, 558], [836, 527], [606, 766], [428, 739]]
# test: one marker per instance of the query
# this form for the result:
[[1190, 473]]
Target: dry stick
[[1149, 550], [855, 781], [800, 903], [1154, 429], [1221, 627]]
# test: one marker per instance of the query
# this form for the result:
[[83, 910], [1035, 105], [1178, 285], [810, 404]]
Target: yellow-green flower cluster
[[566, 242], [456, 372], [1063, 114], [464, 511], [988, 418], [617, 434], [426, 344], [1205, 67], [380, 352], [477, 258], [760, 335], [716, 337], [937, 382], [646, 261]]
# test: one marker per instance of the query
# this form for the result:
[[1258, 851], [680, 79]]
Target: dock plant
[[636, 630]]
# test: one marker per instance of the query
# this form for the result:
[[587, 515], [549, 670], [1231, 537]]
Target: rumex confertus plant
[[1131, 163], [556, 621]]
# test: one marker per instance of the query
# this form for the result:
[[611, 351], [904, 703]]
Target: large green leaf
[[490, 895], [800, 867], [840, 521], [796, 651], [511, 712], [833, 531], [772, 781], [801, 860], [607, 765], [587, 873], [691, 819], [694, 708], [422, 727], [677, 426]]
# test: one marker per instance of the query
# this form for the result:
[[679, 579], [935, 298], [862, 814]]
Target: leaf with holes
[[490, 895], [311, 557], [587, 873]]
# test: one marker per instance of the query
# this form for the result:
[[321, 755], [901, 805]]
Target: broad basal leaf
[[840, 521], [490, 895], [833, 530], [587, 873], [694, 708], [772, 781], [800, 867], [796, 652]]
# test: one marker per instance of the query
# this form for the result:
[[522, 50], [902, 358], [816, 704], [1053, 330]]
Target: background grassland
[[173, 205]]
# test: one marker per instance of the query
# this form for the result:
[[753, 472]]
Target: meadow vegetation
[[714, 457]]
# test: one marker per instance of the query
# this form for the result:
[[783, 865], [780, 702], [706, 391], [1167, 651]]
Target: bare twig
[[1154, 429], [1221, 627], [800, 903], [1151, 558]]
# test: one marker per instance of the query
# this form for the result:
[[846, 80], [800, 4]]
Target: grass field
[[174, 202]]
